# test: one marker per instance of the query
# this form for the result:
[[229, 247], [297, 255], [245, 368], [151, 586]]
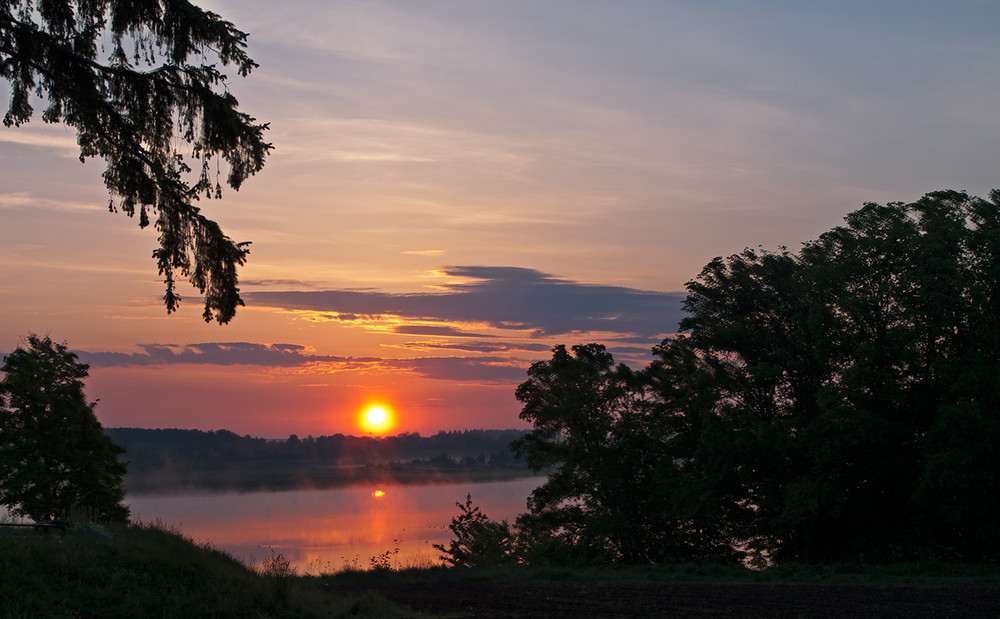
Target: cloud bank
[[522, 303], [508, 298]]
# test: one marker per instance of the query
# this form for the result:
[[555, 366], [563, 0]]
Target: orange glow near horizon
[[377, 419]]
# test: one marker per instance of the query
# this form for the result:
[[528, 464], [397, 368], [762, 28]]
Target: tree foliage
[[55, 458], [865, 377], [841, 403], [139, 83], [479, 541], [593, 433]]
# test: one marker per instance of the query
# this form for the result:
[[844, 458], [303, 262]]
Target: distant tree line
[[165, 459], [836, 404]]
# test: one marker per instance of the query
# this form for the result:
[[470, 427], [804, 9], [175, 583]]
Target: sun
[[376, 419], [376, 416]]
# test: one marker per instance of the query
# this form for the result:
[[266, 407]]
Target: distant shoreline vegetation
[[170, 461]]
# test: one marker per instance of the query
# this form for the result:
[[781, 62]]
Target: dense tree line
[[163, 459], [839, 403]]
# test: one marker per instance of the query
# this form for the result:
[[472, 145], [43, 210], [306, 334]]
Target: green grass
[[148, 571]]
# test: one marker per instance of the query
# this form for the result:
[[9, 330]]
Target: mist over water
[[328, 530]]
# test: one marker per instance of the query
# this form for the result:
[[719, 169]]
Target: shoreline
[[250, 480]]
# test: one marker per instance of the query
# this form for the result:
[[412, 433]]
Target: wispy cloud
[[24, 200], [284, 282], [439, 330], [479, 369], [480, 347], [488, 369], [212, 353], [61, 140]]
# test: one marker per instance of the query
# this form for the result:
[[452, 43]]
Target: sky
[[457, 187]]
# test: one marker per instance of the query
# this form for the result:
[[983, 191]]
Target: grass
[[145, 570], [928, 573]]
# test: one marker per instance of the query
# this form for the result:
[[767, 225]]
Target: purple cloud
[[506, 298], [213, 353], [479, 369]]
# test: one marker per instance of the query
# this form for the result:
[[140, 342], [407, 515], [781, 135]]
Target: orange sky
[[456, 188]]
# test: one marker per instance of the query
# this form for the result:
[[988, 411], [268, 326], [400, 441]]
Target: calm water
[[324, 530]]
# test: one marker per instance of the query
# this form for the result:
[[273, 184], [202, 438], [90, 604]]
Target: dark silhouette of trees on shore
[[55, 460], [841, 403], [156, 108], [166, 460]]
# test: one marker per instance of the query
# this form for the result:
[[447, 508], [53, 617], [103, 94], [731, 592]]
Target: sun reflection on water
[[328, 530]]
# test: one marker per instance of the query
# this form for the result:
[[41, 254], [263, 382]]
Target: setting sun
[[376, 416], [377, 419]]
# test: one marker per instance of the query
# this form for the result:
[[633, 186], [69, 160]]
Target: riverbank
[[148, 571], [264, 477]]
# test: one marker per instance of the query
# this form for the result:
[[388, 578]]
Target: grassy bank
[[917, 573], [902, 591], [147, 571]]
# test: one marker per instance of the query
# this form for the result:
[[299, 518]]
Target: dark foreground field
[[457, 597], [147, 571]]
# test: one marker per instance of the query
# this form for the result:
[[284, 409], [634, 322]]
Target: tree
[[835, 404], [711, 521], [135, 80], [610, 456], [479, 541], [857, 382], [54, 456]]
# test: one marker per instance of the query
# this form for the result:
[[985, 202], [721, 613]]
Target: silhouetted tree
[[479, 541], [837, 404], [709, 519], [610, 458], [54, 456], [858, 382], [157, 87]]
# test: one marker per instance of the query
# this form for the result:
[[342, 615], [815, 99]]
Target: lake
[[328, 530]]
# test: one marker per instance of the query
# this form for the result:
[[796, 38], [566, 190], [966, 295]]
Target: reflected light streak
[[328, 530]]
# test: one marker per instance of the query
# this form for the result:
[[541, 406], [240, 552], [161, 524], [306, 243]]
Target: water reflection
[[326, 530]]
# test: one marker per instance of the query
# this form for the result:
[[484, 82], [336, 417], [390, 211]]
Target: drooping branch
[[137, 111]]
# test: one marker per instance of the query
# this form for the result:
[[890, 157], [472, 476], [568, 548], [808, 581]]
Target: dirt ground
[[585, 600]]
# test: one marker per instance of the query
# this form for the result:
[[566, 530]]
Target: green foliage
[[859, 375], [479, 541], [622, 449], [839, 404], [54, 457], [135, 80]]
